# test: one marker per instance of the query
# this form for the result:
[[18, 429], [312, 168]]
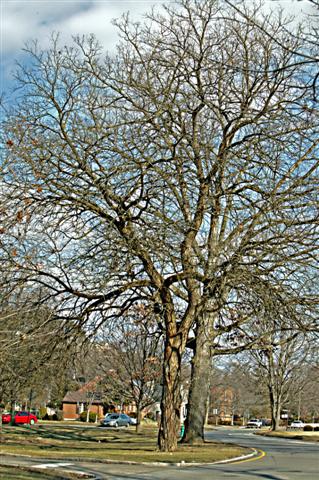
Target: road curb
[[298, 436], [251, 455]]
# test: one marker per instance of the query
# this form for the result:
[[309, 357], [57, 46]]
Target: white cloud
[[97, 20], [296, 8], [25, 19], [22, 20]]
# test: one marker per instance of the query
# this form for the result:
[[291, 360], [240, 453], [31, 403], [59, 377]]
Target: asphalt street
[[279, 459]]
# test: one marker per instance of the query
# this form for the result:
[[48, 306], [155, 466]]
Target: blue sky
[[22, 20]]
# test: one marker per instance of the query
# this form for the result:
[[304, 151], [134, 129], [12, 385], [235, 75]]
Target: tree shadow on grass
[[34, 434], [49, 433]]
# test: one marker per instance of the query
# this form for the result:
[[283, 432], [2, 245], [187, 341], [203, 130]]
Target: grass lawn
[[65, 442]]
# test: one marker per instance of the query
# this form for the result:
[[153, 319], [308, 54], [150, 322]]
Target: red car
[[6, 417], [19, 418]]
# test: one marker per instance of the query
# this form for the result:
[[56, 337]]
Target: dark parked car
[[117, 420], [20, 418]]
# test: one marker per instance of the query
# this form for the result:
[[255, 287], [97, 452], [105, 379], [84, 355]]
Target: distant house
[[76, 402], [90, 397], [222, 405]]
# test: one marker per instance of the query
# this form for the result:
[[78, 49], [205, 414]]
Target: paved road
[[283, 460]]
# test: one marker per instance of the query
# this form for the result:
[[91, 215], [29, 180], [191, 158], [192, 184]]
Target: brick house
[[76, 402], [222, 405], [89, 396]]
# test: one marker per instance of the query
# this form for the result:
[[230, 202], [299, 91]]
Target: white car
[[254, 423], [297, 424]]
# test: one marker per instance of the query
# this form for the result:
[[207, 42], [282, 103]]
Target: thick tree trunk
[[12, 410], [138, 419], [171, 397], [200, 384], [275, 403], [275, 419], [275, 391]]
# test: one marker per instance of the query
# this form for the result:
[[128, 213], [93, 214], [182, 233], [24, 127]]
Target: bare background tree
[[33, 359], [135, 349], [278, 366]]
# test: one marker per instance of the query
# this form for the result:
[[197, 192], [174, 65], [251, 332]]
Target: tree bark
[[138, 419], [200, 384], [275, 402], [275, 418], [171, 397], [12, 405]]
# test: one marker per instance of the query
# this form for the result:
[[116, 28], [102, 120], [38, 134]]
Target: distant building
[[89, 397], [221, 406], [76, 402]]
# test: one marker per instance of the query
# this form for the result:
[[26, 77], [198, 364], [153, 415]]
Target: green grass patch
[[103, 444]]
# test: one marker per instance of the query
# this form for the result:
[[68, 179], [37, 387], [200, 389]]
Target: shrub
[[238, 423], [42, 412], [224, 422], [59, 415], [92, 417], [55, 416], [308, 428], [148, 416]]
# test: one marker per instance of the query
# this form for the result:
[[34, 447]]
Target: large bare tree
[[182, 170]]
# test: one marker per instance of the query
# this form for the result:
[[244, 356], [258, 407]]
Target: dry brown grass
[[293, 434], [106, 444]]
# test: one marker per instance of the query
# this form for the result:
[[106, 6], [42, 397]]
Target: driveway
[[280, 459]]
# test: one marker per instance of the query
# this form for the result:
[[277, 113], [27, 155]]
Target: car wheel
[[127, 425], [31, 421], [116, 424]]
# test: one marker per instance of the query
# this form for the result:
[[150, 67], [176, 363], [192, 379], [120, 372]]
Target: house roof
[[81, 396]]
